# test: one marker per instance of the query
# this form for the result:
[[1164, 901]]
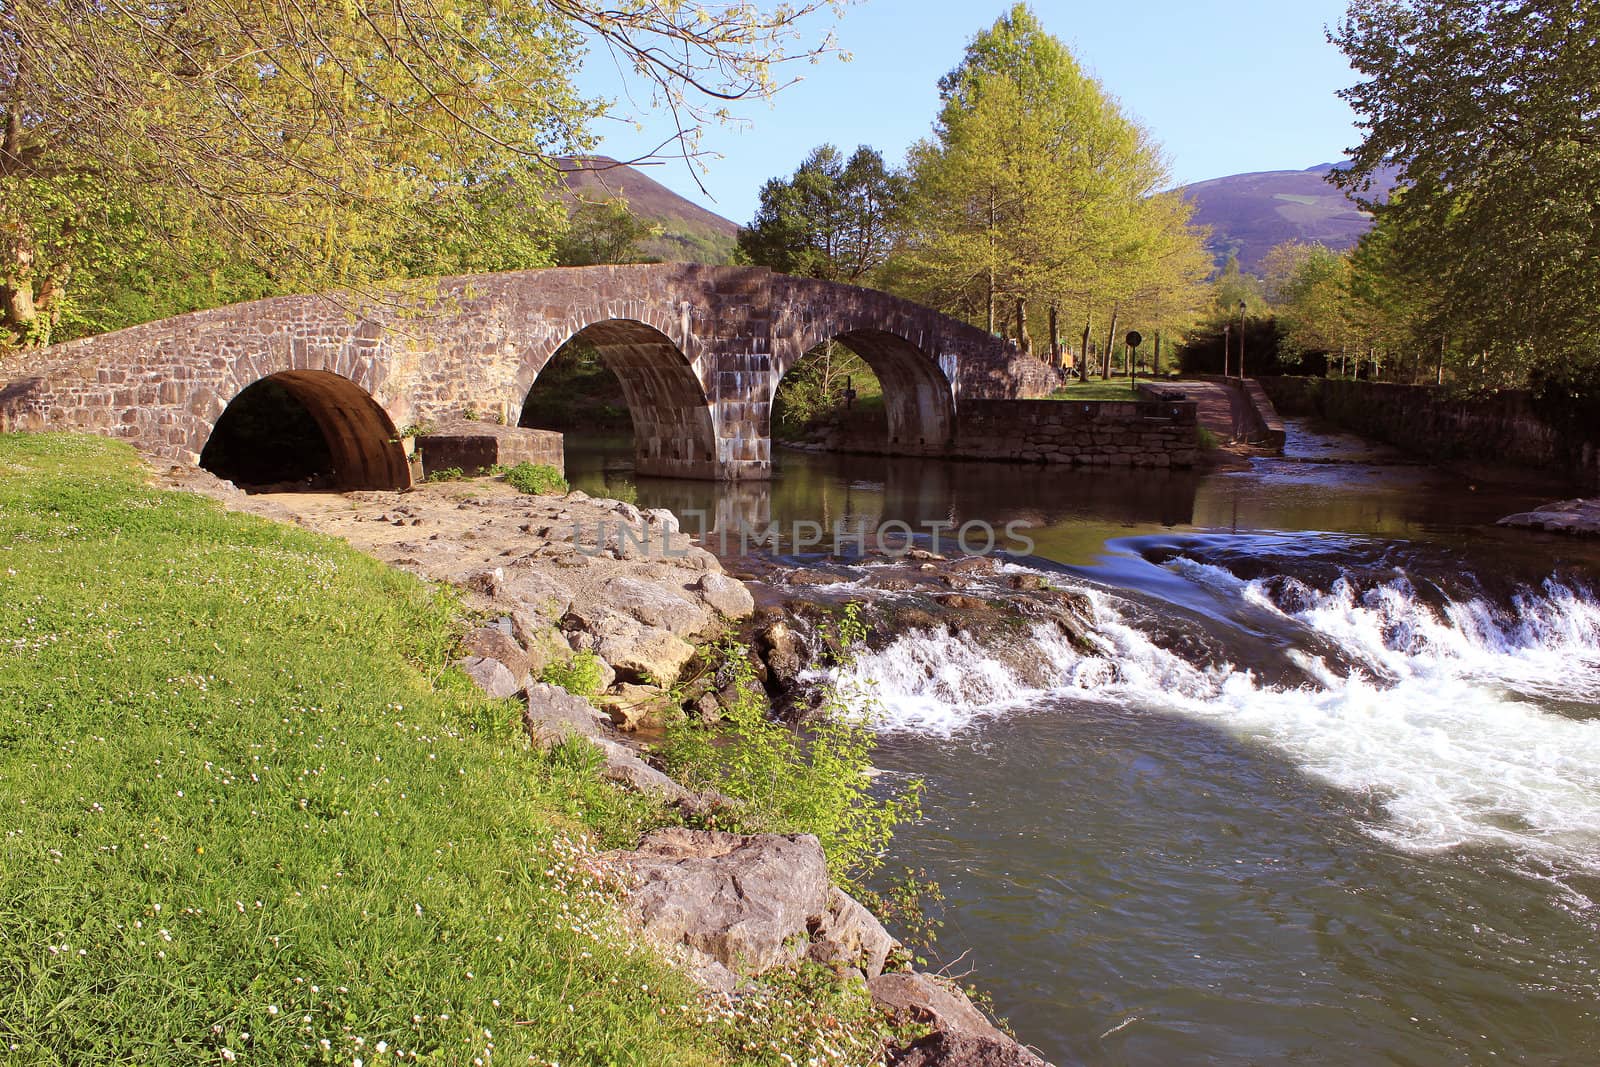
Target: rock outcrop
[[752, 903], [1575, 518], [558, 575]]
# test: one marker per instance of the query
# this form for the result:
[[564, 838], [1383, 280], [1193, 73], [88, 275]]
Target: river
[[1329, 794]]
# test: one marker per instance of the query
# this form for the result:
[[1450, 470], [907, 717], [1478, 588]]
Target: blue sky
[[1226, 87]]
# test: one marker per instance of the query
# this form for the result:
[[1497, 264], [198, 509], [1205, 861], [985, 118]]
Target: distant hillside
[[1249, 213], [690, 233]]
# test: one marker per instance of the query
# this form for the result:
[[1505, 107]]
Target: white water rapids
[[1445, 718]]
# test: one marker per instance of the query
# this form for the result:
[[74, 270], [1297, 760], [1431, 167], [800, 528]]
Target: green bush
[[447, 474], [818, 783], [536, 479], [1208, 441], [579, 675]]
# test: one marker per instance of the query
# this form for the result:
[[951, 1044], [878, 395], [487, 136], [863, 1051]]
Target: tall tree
[[1491, 111], [312, 139], [1034, 188], [834, 218], [605, 232]]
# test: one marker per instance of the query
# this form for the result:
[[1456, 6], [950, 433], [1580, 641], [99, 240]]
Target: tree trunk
[[1111, 339], [1024, 342], [1155, 367], [1438, 377], [19, 312], [1055, 339], [1083, 353]]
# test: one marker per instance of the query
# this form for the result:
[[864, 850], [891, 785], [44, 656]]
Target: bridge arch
[[296, 425], [674, 428], [917, 396]]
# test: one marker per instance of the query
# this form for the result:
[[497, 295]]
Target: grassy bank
[[250, 816]]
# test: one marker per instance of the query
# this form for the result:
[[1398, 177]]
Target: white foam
[[1443, 743]]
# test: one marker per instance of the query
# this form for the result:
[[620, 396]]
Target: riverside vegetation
[[252, 815]]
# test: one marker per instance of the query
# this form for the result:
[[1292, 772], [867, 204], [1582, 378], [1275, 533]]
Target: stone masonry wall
[[1082, 433], [1428, 421], [699, 350]]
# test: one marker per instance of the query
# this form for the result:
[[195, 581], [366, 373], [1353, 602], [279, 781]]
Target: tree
[[317, 141], [1488, 108], [1035, 188], [834, 218], [604, 233]]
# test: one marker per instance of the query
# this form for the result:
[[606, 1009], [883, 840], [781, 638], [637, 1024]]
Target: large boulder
[[848, 935], [962, 1035], [747, 902], [492, 676], [948, 1048], [632, 707], [639, 653], [657, 606], [727, 596], [553, 714], [921, 998]]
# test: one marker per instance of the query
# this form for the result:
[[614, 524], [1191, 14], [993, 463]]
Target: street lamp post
[[1241, 340]]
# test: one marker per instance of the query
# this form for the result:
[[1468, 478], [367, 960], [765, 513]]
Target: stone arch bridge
[[699, 351]]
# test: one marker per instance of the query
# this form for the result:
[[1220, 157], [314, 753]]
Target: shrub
[[818, 783], [1208, 441], [447, 474], [579, 675], [536, 479]]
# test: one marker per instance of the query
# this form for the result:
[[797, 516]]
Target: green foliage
[[580, 675], [605, 233], [815, 387], [817, 782], [536, 479], [243, 794], [1487, 108], [447, 474], [835, 218], [1208, 441], [1036, 189], [155, 162]]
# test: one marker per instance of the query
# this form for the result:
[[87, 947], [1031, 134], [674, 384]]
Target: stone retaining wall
[[1083, 433], [1430, 422]]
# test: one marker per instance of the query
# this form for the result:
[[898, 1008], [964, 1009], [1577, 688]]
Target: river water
[[1330, 793]]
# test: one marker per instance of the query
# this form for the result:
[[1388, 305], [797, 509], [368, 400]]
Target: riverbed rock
[[633, 707], [949, 1048], [745, 901], [848, 935], [491, 642], [657, 605], [492, 676], [1574, 518], [552, 714], [640, 653], [727, 596]]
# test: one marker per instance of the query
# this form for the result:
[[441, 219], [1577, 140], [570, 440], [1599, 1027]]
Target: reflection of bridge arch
[[673, 432], [429, 351]]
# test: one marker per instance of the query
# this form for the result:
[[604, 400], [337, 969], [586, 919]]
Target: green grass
[[241, 796], [1096, 389], [536, 479]]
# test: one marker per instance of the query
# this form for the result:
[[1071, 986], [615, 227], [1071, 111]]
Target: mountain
[[1249, 213], [689, 233]]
